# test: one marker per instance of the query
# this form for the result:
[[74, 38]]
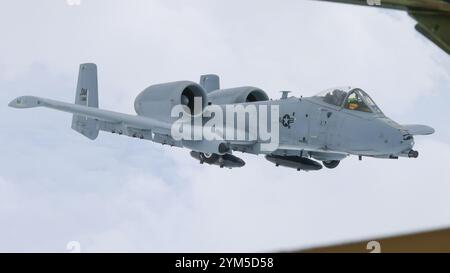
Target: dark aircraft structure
[[432, 16]]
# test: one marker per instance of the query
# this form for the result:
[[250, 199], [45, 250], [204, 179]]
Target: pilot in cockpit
[[355, 102], [352, 103]]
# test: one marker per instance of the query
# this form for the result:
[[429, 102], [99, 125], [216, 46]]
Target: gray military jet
[[326, 127]]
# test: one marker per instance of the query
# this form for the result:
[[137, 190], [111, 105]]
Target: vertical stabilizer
[[86, 95], [210, 82]]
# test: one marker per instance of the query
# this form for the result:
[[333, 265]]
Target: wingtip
[[15, 103], [24, 102], [429, 130], [12, 103]]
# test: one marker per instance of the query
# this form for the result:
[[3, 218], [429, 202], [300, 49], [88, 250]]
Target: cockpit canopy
[[353, 99]]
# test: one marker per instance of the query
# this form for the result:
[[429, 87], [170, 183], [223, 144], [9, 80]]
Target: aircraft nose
[[402, 141], [395, 139]]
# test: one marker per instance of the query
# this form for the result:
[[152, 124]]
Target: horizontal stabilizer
[[416, 129], [210, 82]]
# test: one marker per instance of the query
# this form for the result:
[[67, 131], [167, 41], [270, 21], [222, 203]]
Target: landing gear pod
[[296, 162]]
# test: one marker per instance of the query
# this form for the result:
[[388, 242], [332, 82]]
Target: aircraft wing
[[92, 112], [434, 26], [416, 129], [429, 241], [432, 16]]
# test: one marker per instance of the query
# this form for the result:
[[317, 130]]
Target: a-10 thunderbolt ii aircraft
[[304, 131]]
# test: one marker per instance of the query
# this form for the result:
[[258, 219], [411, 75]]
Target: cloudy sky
[[121, 194]]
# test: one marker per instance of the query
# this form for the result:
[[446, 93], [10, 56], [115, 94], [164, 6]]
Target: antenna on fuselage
[[284, 94]]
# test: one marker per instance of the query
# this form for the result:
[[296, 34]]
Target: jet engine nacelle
[[157, 100], [237, 95]]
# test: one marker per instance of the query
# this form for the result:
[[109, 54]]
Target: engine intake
[[237, 95], [157, 100]]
